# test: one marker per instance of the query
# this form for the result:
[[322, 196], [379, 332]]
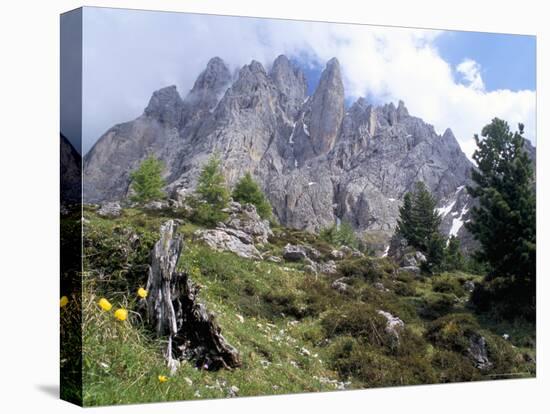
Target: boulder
[[478, 352], [356, 253], [336, 254], [380, 286], [346, 251], [245, 218], [328, 268], [394, 325], [420, 257], [312, 253], [340, 285], [156, 205], [294, 253], [110, 209], [409, 259], [469, 286], [409, 269], [274, 259], [226, 240], [309, 269], [397, 248]]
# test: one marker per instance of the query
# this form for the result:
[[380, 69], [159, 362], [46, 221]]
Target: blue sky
[[459, 80], [508, 61]]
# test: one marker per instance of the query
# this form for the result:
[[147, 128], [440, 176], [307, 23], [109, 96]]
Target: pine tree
[[405, 222], [212, 195], [435, 253], [453, 256], [147, 181], [248, 191], [342, 235], [504, 222], [418, 219], [419, 223], [426, 220]]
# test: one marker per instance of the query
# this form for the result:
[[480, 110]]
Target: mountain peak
[[165, 105], [209, 86], [402, 111], [291, 81]]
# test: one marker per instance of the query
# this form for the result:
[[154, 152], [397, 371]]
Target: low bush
[[453, 367], [437, 305], [448, 284], [358, 320], [404, 289], [369, 367], [366, 268], [453, 332]]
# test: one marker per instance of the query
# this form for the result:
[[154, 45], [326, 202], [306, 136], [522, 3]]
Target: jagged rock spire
[[291, 82], [327, 108], [209, 85]]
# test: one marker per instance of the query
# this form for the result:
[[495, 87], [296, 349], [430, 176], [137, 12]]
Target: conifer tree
[[212, 195], [248, 191], [453, 256], [504, 222], [426, 219], [405, 222], [147, 181]]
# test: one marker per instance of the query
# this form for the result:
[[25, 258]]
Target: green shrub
[[404, 289], [454, 367], [358, 320], [453, 332], [352, 359], [365, 268], [340, 235], [448, 284], [283, 302], [437, 305]]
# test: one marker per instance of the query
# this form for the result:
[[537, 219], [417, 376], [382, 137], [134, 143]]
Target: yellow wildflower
[[121, 314], [104, 304], [63, 301], [163, 378], [142, 293]]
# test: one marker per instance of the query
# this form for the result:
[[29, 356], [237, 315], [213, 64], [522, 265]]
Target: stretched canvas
[[262, 206]]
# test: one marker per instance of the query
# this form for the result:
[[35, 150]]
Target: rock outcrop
[[318, 162]]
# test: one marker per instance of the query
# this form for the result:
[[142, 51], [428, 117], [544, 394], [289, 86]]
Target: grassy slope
[[294, 332]]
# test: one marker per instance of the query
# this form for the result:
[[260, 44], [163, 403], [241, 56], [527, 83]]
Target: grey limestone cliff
[[318, 162]]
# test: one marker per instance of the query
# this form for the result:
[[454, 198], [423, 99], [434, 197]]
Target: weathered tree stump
[[173, 310]]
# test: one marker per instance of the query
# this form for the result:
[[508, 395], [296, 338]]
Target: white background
[[29, 237]]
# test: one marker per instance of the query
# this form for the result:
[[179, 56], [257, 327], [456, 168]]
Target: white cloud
[[130, 54], [471, 72]]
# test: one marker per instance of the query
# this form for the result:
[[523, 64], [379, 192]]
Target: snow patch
[[291, 138], [306, 129], [386, 251], [459, 189], [458, 222], [392, 199], [443, 211], [311, 183]]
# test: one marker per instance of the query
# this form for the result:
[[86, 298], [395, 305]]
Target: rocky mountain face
[[319, 162]]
